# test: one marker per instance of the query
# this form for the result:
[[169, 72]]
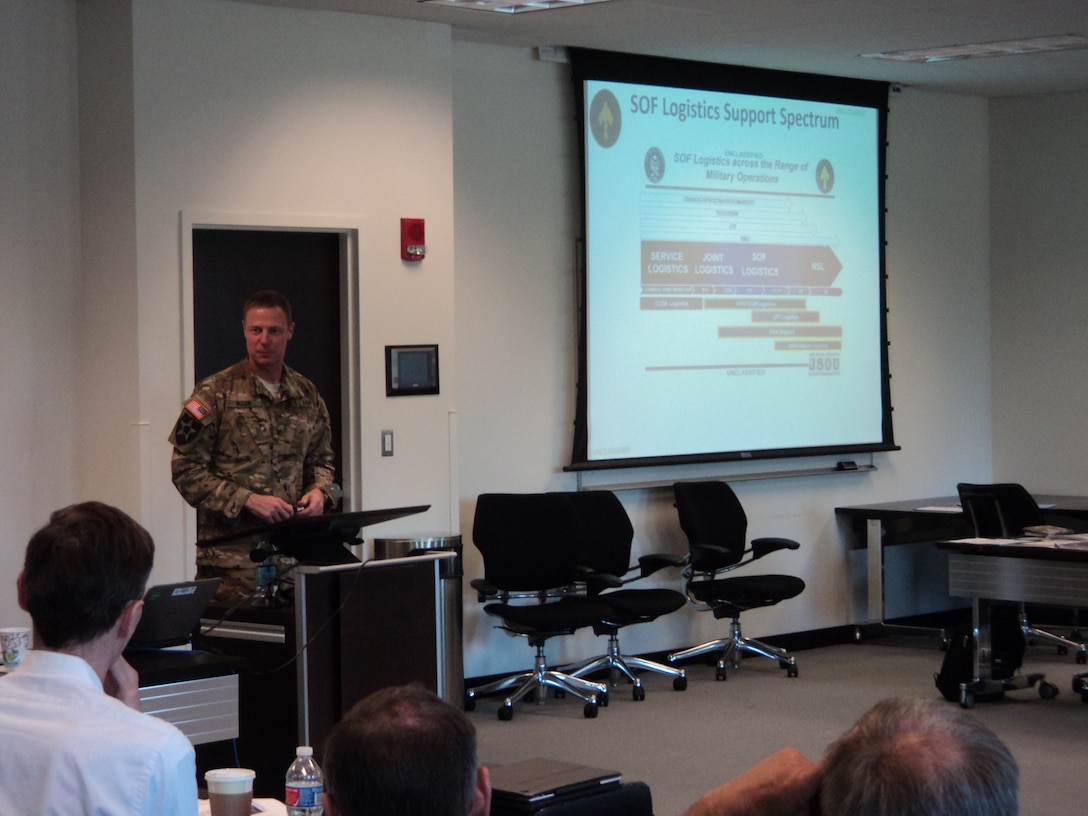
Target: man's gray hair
[[909, 757]]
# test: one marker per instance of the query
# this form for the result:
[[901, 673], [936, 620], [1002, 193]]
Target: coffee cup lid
[[230, 773]]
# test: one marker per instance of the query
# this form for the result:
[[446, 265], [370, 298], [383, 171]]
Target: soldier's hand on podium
[[269, 508], [312, 504]]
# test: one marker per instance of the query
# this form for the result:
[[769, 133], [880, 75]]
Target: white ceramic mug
[[14, 643]]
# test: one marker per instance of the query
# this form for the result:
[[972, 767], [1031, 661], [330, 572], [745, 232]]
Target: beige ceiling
[[816, 36]]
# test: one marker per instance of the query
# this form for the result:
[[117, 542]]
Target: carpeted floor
[[683, 743]]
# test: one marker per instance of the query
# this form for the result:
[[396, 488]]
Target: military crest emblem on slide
[[605, 118]]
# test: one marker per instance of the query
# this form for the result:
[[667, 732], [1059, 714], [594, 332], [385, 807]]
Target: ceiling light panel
[[1004, 48], [510, 6]]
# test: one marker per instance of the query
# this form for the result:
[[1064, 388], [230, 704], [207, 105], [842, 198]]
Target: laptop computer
[[171, 613], [530, 785]]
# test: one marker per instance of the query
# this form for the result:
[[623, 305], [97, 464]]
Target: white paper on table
[[270, 806]]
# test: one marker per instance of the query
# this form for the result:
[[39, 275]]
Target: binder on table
[[533, 783]]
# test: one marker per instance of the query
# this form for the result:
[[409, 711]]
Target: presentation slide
[[733, 296]]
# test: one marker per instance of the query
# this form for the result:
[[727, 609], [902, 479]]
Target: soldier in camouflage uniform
[[252, 447]]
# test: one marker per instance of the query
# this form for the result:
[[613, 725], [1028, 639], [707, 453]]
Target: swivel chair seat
[[604, 561], [716, 526], [529, 546]]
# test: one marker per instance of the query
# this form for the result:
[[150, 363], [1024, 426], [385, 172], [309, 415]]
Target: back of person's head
[[80, 571], [919, 758], [267, 299], [401, 751]]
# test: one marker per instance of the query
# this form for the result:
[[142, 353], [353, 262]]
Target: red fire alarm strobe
[[413, 246]]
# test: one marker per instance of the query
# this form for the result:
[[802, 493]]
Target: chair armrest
[[485, 590], [707, 557], [649, 564], [596, 582], [765, 546]]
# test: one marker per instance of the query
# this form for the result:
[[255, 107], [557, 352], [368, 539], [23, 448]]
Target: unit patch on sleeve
[[190, 422]]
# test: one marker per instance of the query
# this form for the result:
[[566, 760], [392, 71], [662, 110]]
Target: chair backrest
[[607, 531], [529, 541], [710, 513], [999, 510]]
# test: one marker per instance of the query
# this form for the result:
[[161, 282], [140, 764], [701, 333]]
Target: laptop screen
[[171, 613]]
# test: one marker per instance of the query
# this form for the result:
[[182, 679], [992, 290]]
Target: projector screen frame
[[587, 64]]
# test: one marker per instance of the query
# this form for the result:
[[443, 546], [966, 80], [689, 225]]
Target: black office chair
[[716, 527], [605, 561], [1006, 510], [529, 542]]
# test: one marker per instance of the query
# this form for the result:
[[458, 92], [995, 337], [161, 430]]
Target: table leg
[[876, 623], [984, 684], [874, 546]]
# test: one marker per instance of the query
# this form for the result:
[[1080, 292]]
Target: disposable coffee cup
[[230, 791], [14, 643]]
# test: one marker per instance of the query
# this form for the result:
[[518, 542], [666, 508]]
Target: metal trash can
[[450, 613]]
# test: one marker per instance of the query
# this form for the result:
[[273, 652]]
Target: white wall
[[40, 290], [109, 384], [270, 112], [1040, 279]]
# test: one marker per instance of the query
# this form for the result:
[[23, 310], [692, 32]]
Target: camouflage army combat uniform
[[234, 438]]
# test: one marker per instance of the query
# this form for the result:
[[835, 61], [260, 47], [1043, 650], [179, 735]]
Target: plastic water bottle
[[305, 785]]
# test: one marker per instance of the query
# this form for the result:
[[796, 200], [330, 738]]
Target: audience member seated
[[403, 751], [74, 740], [902, 758]]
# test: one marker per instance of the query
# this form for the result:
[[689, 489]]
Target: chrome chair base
[[1064, 644], [624, 667], [733, 647], [537, 681]]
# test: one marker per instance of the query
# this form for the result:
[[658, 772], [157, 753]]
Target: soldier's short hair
[[267, 299]]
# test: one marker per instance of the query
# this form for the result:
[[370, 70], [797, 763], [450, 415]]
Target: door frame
[[348, 228]]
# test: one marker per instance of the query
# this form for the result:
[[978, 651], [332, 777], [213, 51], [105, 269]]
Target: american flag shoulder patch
[[197, 409]]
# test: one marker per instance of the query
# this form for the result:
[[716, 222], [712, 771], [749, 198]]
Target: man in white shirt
[[74, 740]]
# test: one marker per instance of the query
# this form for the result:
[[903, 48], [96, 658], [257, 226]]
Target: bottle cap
[[304, 751]]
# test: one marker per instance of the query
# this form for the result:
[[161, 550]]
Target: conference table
[[876, 526], [1051, 570]]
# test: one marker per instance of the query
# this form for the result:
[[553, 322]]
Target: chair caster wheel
[[602, 699], [470, 703], [1047, 690], [1084, 696], [1078, 684], [680, 683], [791, 670], [720, 673], [590, 710], [1082, 656], [506, 712], [638, 693], [967, 699]]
